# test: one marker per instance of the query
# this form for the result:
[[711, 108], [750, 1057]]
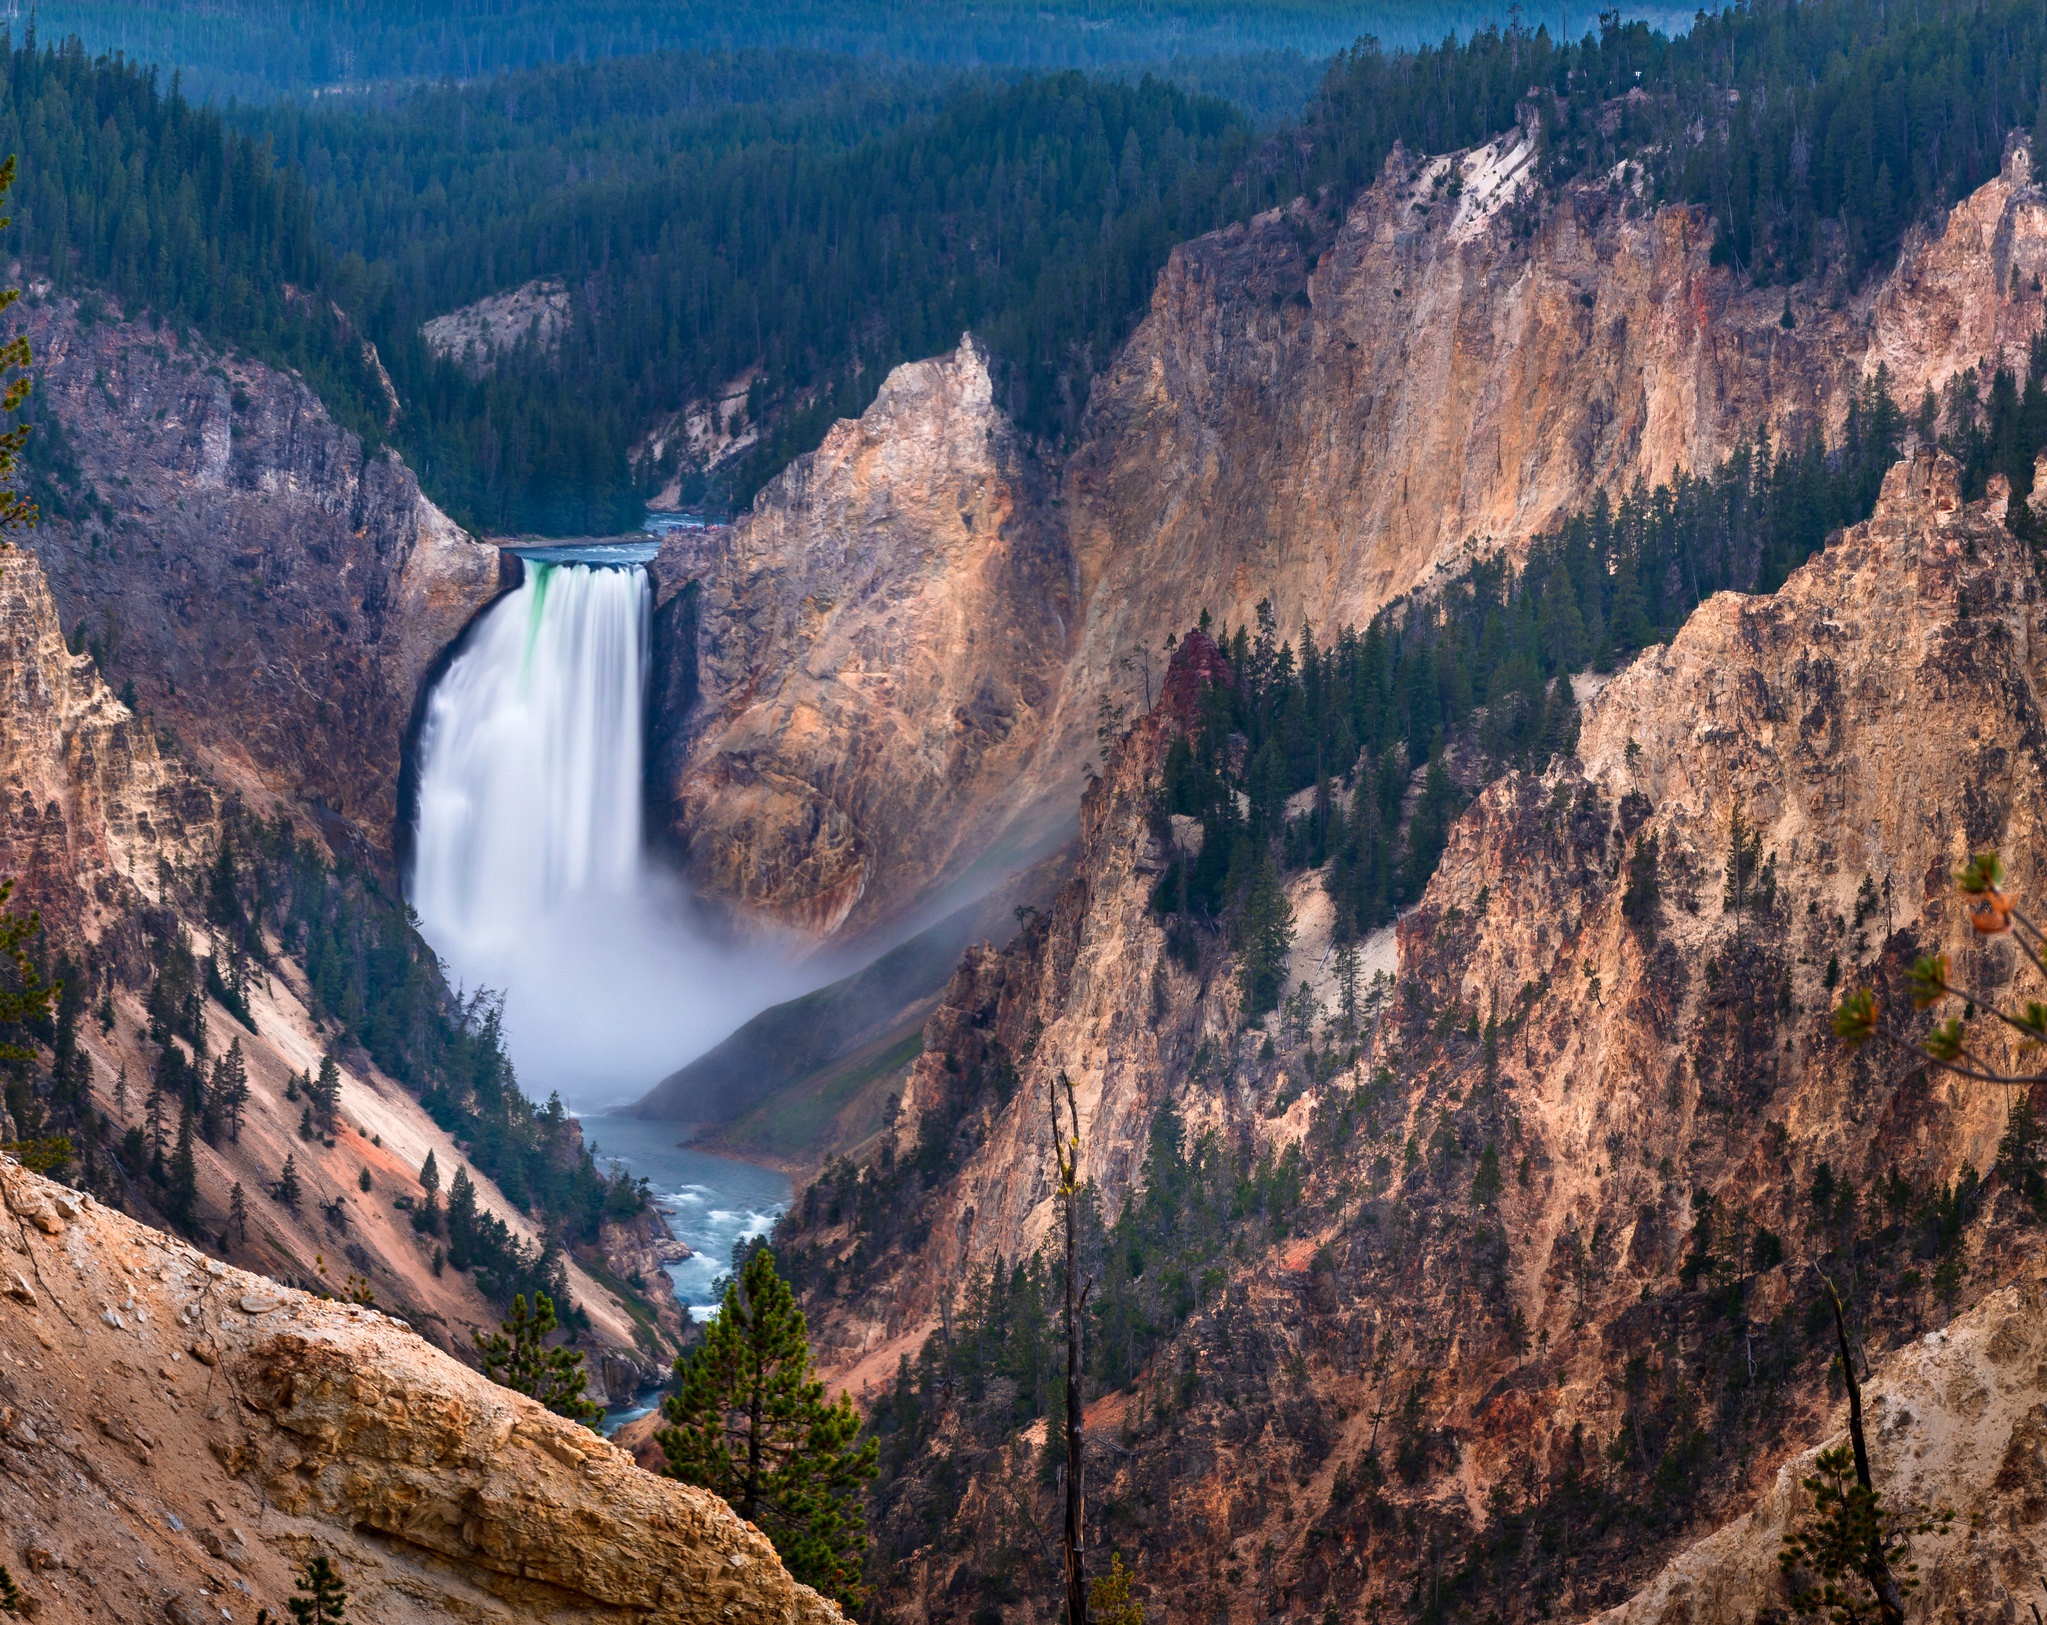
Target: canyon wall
[[178, 1437], [907, 644], [92, 803], [877, 641], [1523, 1336], [275, 591], [1332, 420]]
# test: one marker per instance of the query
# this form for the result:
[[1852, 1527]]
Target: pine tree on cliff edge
[[750, 1423], [516, 1356]]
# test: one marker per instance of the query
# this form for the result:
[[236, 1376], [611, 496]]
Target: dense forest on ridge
[[257, 49], [796, 224]]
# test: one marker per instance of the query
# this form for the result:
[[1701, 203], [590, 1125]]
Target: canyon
[[1514, 1336], [105, 833], [1520, 1318]]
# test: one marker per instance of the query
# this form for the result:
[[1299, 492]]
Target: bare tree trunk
[[1066, 1151], [1876, 1568]]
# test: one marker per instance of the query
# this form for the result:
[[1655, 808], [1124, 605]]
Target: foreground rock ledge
[[176, 1436]]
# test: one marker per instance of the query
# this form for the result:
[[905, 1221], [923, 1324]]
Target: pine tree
[[181, 1196], [27, 999], [1263, 932], [1855, 1553], [1346, 965], [326, 1093], [290, 1190], [430, 1175], [10, 1593], [223, 901], [226, 1095], [70, 1070], [516, 1356], [462, 1220], [749, 1423], [1744, 860], [153, 1127], [323, 1599], [1066, 1156], [15, 509], [238, 1213]]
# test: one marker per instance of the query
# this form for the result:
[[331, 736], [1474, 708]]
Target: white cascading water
[[529, 870], [530, 789]]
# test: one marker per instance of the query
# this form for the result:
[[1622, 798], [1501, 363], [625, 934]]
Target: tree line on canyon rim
[[260, 49], [808, 221]]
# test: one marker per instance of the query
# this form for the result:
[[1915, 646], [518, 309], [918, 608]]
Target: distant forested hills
[[257, 49], [821, 235], [810, 220]]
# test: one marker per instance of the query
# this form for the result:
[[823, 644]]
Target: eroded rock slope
[[1542, 1310], [177, 1437], [275, 592], [91, 801], [908, 643], [876, 643]]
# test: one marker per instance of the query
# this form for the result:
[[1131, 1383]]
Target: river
[[531, 876], [710, 1204]]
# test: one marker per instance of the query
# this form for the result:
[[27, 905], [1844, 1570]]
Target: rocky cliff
[[1323, 413], [177, 1437], [275, 591], [1327, 418], [876, 644], [92, 802], [1519, 1299]]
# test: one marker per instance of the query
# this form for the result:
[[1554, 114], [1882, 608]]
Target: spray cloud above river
[[530, 874]]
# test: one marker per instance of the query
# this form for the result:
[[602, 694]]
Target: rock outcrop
[[475, 336], [92, 805], [1542, 1313], [275, 592], [177, 1437], [876, 644], [1957, 1423]]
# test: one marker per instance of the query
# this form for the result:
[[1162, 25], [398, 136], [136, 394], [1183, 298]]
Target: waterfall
[[530, 874], [530, 790]]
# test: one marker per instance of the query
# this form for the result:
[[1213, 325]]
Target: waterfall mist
[[529, 872]]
